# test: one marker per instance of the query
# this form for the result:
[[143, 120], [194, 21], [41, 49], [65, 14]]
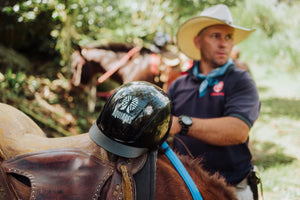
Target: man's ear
[[197, 41]]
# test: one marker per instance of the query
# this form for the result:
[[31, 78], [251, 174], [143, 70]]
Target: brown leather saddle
[[36, 167]]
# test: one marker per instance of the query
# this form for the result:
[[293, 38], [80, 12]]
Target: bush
[[275, 41]]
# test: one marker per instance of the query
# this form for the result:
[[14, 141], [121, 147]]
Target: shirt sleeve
[[242, 100]]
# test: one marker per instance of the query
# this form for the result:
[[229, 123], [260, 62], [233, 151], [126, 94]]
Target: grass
[[275, 139]]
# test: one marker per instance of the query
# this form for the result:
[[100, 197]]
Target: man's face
[[215, 44]]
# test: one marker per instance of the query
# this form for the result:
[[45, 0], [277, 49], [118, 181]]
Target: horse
[[20, 136], [123, 63]]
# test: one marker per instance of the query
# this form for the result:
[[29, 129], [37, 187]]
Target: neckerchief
[[210, 79]]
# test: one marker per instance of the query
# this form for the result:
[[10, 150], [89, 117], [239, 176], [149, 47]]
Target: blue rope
[[182, 171]]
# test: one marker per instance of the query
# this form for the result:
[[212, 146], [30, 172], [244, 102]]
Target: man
[[216, 103]]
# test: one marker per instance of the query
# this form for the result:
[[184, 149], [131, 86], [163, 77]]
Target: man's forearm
[[221, 131]]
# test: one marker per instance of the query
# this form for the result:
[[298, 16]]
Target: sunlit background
[[37, 38]]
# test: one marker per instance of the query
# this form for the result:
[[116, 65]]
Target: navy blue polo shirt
[[235, 95]]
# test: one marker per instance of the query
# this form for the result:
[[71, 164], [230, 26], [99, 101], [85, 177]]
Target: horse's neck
[[139, 68], [134, 68], [107, 58]]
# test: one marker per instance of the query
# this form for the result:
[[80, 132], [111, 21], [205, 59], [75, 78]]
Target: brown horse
[[20, 135], [116, 58]]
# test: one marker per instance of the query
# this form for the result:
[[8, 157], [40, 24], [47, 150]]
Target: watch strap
[[184, 130]]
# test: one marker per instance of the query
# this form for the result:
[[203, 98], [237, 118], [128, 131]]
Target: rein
[[122, 62], [182, 171]]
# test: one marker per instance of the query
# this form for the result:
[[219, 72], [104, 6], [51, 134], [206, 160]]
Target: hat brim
[[188, 30]]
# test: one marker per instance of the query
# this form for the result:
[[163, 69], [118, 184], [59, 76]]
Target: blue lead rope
[[182, 171]]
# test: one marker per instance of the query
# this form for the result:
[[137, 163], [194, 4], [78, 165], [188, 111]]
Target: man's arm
[[221, 131]]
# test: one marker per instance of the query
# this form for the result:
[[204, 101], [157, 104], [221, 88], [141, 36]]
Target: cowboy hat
[[218, 14]]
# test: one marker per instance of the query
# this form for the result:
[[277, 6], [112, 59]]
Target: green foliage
[[56, 26], [275, 41], [268, 154], [281, 107], [12, 86], [15, 81], [53, 28], [26, 25], [11, 59]]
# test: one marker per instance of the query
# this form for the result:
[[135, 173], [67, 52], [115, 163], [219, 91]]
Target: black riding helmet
[[135, 119]]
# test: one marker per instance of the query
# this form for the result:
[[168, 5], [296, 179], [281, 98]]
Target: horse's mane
[[210, 185], [208, 179], [116, 47]]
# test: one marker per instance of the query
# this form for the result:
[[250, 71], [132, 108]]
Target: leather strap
[[128, 187], [155, 59], [146, 178], [6, 192]]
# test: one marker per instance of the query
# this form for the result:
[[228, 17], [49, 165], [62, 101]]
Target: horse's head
[[77, 64]]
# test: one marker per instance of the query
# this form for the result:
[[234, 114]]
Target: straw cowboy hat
[[219, 14]]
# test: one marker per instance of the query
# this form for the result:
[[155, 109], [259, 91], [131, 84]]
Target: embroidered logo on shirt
[[217, 89]]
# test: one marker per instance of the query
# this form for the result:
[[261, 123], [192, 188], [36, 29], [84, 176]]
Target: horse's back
[[13, 120], [19, 134], [14, 125]]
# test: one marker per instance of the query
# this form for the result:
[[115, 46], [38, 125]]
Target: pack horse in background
[[123, 63]]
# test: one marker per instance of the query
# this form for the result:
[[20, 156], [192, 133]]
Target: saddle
[[39, 168], [69, 173]]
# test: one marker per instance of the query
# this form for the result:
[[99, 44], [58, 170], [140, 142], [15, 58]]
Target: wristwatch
[[185, 122]]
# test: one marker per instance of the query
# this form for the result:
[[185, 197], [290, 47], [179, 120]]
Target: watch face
[[187, 120]]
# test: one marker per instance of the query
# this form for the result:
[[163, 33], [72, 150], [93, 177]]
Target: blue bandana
[[209, 80]]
